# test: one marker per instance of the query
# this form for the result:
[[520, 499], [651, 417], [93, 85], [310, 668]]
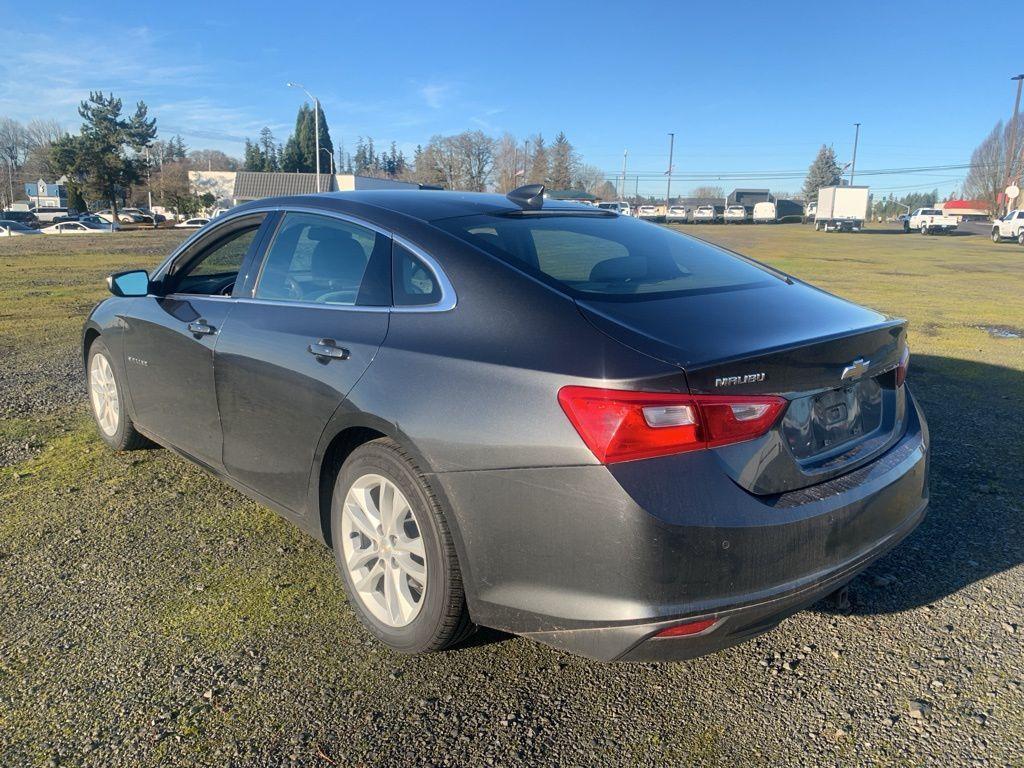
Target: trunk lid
[[833, 360]]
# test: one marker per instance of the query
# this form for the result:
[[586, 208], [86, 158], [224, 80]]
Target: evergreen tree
[[268, 151], [252, 160], [824, 172], [539, 162], [295, 158], [106, 154], [561, 163]]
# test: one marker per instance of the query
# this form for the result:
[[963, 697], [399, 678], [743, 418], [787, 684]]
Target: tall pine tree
[[824, 172], [539, 162], [561, 163]]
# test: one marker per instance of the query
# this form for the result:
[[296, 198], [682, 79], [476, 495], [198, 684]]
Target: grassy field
[[151, 616]]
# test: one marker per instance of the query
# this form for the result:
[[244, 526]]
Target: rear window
[[607, 256]]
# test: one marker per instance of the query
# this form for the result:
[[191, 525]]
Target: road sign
[[1012, 192]]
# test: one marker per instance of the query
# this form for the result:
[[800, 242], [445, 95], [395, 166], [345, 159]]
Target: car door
[[170, 337], [316, 316]]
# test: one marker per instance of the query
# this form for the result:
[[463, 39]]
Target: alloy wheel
[[383, 550], [103, 393]]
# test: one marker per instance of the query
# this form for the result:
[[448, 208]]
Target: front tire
[[395, 551], [106, 396], [995, 236]]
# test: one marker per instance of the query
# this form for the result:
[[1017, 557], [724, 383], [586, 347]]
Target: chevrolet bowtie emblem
[[857, 368]]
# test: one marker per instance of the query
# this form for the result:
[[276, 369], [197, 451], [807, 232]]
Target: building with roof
[[40, 194], [966, 210], [231, 188]]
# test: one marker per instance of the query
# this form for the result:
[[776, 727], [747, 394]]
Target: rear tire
[[107, 401], [1020, 237], [407, 589]]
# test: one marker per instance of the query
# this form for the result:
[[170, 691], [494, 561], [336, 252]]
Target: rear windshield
[[607, 256]]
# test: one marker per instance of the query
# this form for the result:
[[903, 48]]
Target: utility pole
[[668, 189], [622, 194], [1012, 148], [853, 164], [316, 127]]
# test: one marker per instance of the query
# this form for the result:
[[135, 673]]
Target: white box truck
[[841, 209]]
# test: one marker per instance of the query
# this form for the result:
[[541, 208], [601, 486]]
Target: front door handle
[[201, 328], [327, 349]]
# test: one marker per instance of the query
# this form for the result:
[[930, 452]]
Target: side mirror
[[134, 282]]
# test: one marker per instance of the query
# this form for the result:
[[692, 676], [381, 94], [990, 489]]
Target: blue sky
[[757, 88]]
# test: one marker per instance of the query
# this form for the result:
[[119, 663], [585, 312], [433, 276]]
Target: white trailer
[[841, 209]]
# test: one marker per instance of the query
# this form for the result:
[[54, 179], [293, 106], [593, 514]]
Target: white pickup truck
[[928, 221], [1010, 227]]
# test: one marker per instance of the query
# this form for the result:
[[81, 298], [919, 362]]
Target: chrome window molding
[[448, 300]]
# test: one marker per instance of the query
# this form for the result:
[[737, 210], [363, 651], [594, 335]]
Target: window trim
[[448, 301], [171, 266]]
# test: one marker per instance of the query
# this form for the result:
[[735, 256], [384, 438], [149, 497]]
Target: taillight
[[901, 369], [621, 425]]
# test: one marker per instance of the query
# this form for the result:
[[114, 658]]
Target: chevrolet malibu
[[512, 412]]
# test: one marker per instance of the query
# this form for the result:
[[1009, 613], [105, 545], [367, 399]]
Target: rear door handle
[[201, 328], [327, 349]]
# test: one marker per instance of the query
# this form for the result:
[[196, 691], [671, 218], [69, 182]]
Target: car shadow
[[975, 523]]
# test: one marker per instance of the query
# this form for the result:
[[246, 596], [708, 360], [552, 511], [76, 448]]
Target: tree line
[[471, 160]]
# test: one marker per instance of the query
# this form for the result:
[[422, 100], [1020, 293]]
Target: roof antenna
[[529, 197]]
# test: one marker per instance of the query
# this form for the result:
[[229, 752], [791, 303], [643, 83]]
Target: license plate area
[[819, 424]]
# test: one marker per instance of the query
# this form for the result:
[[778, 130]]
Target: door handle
[[327, 349], [200, 328]]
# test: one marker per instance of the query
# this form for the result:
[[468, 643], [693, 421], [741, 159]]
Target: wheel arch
[[89, 335], [348, 430]]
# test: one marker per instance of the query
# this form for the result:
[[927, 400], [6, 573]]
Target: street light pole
[[668, 189], [316, 126], [1012, 148], [853, 164], [625, 152]]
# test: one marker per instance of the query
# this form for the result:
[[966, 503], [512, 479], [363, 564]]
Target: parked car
[[641, 483], [75, 228], [928, 221], [124, 217], [46, 215], [705, 214], [736, 214], [618, 206], [1009, 227], [141, 216], [10, 228], [191, 223], [677, 214], [22, 217], [648, 213], [92, 218]]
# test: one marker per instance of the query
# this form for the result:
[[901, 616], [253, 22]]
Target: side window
[[324, 260], [214, 267], [413, 282]]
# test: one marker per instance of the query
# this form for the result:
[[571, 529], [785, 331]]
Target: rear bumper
[[596, 560]]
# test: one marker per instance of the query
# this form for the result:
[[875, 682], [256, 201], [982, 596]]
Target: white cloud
[[436, 94]]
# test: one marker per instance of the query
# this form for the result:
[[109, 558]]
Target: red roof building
[[966, 209]]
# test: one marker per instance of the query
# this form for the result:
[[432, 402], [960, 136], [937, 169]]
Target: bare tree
[[708, 191], [508, 159], [477, 150], [589, 178], [988, 175]]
